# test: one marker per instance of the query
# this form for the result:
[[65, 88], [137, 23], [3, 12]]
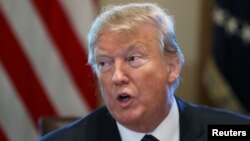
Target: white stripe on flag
[[39, 48], [13, 114], [81, 14]]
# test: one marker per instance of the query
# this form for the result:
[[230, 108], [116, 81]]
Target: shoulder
[[81, 129], [210, 115]]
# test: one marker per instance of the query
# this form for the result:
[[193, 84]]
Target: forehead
[[142, 33]]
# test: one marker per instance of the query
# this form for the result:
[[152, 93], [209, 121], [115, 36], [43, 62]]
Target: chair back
[[50, 123]]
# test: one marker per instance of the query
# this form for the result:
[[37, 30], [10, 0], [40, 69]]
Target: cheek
[[105, 86], [153, 87], [104, 81], [151, 82], [152, 77]]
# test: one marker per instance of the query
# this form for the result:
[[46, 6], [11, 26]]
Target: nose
[[119, 77]]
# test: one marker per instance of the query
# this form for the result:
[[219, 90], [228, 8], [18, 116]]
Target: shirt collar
[[168, 128]]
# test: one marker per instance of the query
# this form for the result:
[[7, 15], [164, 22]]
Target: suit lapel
[[108, 130], [190, 127]]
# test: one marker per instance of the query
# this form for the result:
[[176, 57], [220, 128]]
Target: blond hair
[[126, 17]]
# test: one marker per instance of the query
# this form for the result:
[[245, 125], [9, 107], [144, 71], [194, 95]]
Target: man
[[134, 53]]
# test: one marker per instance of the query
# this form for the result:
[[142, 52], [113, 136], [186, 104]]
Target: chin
[[127, 118]]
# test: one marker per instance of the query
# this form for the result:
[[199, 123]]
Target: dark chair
[[50, 123]]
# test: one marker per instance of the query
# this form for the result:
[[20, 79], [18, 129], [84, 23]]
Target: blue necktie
[[149, 138]]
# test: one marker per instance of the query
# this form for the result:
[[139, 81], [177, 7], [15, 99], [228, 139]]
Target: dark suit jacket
[[100, 126]]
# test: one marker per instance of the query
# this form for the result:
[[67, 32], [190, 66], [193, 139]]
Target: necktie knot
[[149, 138]]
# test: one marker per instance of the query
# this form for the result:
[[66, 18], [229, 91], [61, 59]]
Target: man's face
[[133, 75]]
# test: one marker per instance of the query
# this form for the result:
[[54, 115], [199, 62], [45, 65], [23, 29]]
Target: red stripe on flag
[[70, 48], [3, 136], [21, 74]]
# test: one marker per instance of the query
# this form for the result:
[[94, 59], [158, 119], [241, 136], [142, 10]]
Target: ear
[[173, 67]]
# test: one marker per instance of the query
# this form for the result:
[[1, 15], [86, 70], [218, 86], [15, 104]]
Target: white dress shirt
[[168, 129]]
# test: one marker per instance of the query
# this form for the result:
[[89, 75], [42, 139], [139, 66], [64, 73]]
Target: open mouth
[[124, 97]]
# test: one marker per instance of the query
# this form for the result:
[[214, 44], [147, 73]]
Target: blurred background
[[43, 61]]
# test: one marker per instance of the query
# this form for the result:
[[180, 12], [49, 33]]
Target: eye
[[133, 58], [136, 60], [103, 65]]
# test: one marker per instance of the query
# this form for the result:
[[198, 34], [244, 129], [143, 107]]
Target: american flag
[[43, 63], [227, 75]]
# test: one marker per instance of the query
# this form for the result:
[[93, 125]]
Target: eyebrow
[[134, 46], [131, 47], [100, 53]]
